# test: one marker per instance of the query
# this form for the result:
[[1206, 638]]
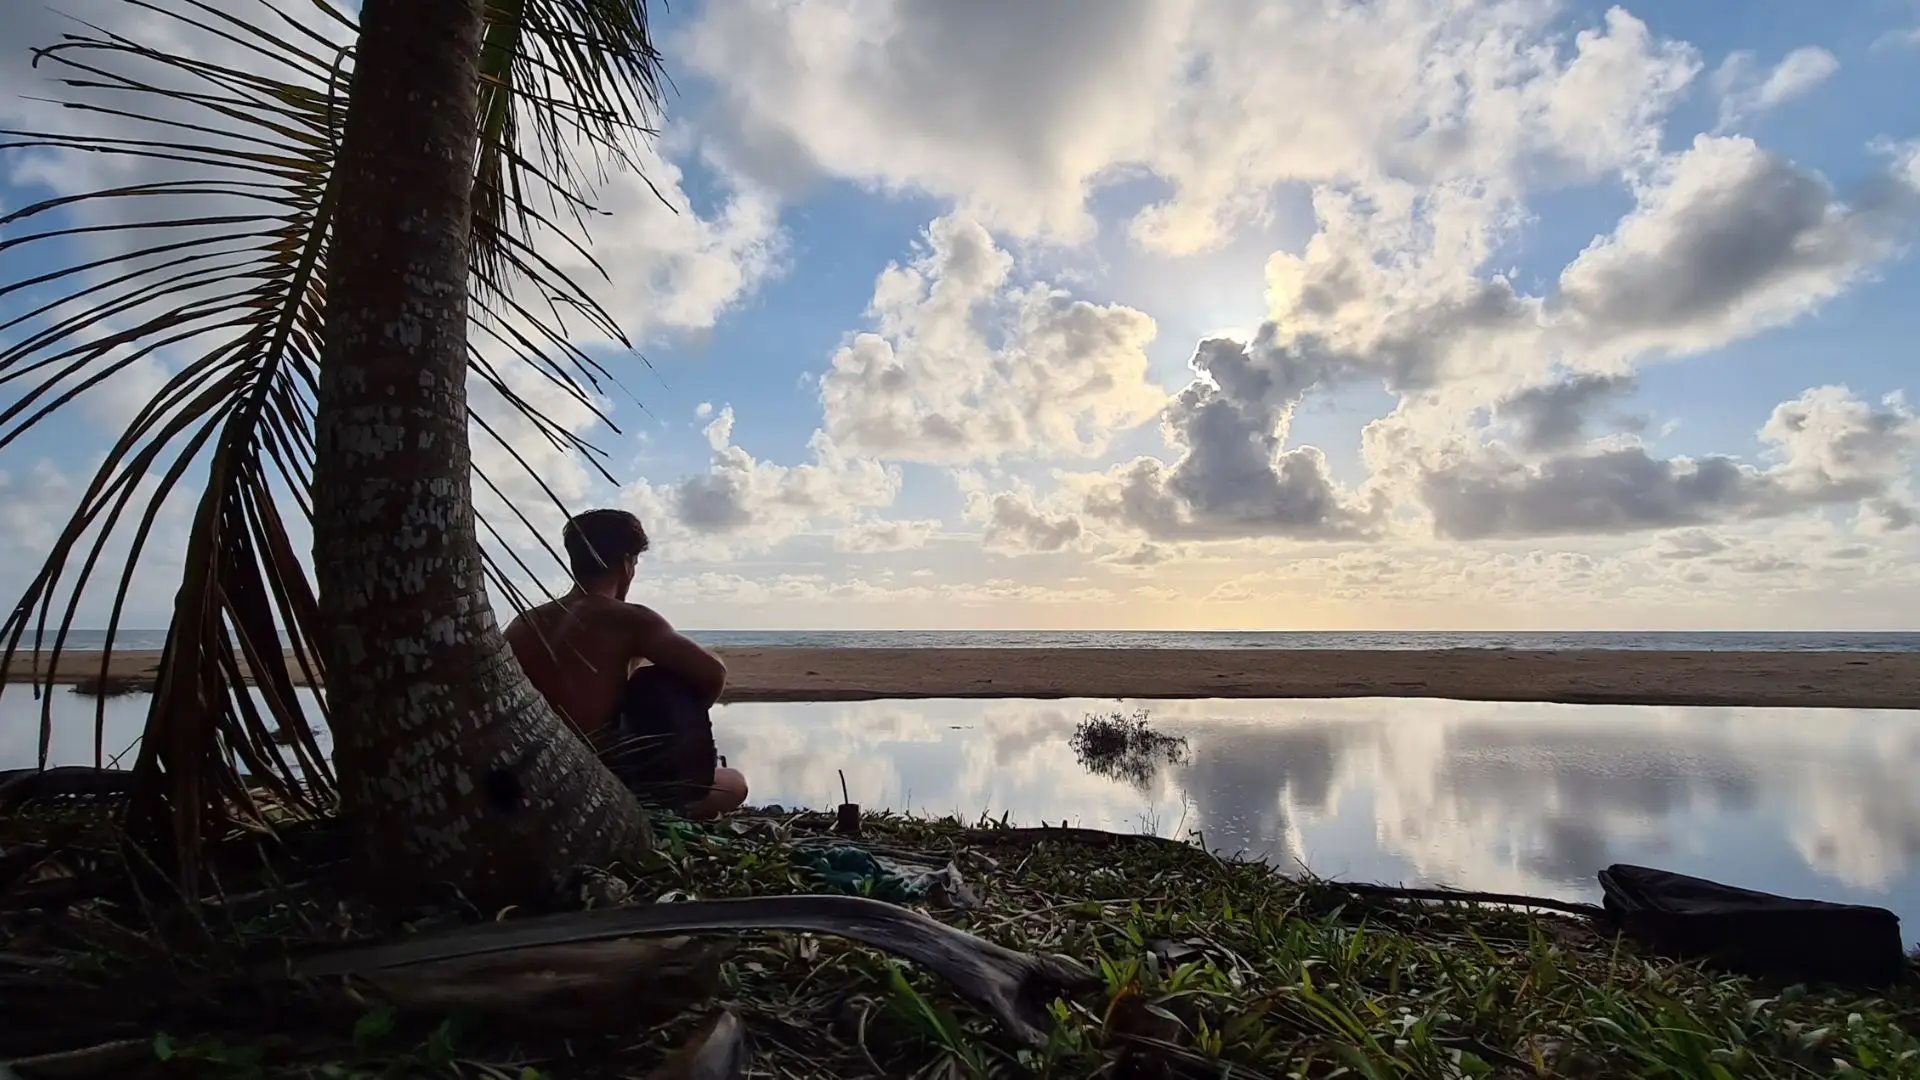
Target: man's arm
[[656, 640]]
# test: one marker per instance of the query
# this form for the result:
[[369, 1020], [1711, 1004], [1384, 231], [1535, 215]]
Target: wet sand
[[1834, 680]]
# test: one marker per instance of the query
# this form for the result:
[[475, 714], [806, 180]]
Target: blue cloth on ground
[[860, 872]]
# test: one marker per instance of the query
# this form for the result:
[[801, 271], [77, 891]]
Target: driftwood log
[[594, 986], [1013, 987], [21, 786], [116, 1058]]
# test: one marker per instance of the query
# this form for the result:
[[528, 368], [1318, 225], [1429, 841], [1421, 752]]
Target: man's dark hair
[[598, 540]]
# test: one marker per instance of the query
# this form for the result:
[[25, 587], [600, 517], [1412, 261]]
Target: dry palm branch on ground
[[210, 264]]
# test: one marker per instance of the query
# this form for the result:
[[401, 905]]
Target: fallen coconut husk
[[594, 986], [718, 1051]]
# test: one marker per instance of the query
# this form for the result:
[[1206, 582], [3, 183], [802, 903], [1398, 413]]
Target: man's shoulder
[[588, 604], [641, 610], [638, 617], [534, 615], [541, 620], [605, 611]]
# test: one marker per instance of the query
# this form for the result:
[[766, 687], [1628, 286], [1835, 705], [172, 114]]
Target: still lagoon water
[[1528, 798]]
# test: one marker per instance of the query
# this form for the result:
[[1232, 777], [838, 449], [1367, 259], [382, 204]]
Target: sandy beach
[[1802, 679]]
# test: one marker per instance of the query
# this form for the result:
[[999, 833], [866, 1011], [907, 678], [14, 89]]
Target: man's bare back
[[578, 653], [581, 650]]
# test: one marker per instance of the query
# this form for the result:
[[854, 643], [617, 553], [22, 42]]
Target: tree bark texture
[[450, 762]]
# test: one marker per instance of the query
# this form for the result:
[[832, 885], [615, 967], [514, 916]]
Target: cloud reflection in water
[[1516, 797]]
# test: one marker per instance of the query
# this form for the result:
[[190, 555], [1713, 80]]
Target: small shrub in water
[[1124, 746]]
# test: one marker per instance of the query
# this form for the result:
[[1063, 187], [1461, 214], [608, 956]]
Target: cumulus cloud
[[1457, 102], [1020, 111], [1829, 447], [1613, 491], [1387, 289], [1726, 240], [1012, 109], [1014, 523], [1832, 445], [743, 503], [965, 365], [1881, 517], [1138, 557], [1690, 544], [1554, 416], [1729, 240], [670, 267], [1745, 93], [873, 535], [1234, 477], [1746, 562], [1906, 33], [1903, 163]]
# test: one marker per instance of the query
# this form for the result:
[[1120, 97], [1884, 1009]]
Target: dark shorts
[[661, 745]]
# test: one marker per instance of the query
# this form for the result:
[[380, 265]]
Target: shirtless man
[[581, 650]]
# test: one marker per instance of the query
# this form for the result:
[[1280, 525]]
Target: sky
[[1210, 314]]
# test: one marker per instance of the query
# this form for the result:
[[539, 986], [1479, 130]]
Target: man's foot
[[729, 793]]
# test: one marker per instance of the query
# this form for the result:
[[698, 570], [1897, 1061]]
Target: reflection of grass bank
[[1124, 746], [112, 686], [1201, 963]]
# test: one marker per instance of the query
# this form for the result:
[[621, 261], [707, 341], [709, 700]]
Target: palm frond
[[213, 269], [233, 298], [561, 80]]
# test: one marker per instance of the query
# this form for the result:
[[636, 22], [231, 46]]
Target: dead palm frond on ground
[[210, 264]]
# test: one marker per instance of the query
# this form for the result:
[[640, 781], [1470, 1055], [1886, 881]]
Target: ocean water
[[1657, 641], [1513, 797]]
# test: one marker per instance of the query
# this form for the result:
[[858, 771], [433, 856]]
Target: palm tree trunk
[[451, 764]]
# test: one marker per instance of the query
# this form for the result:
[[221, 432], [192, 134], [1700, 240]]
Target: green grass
[[1208, 967]]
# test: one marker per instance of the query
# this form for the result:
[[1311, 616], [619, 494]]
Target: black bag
[[663, 745], [1752, 932]]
